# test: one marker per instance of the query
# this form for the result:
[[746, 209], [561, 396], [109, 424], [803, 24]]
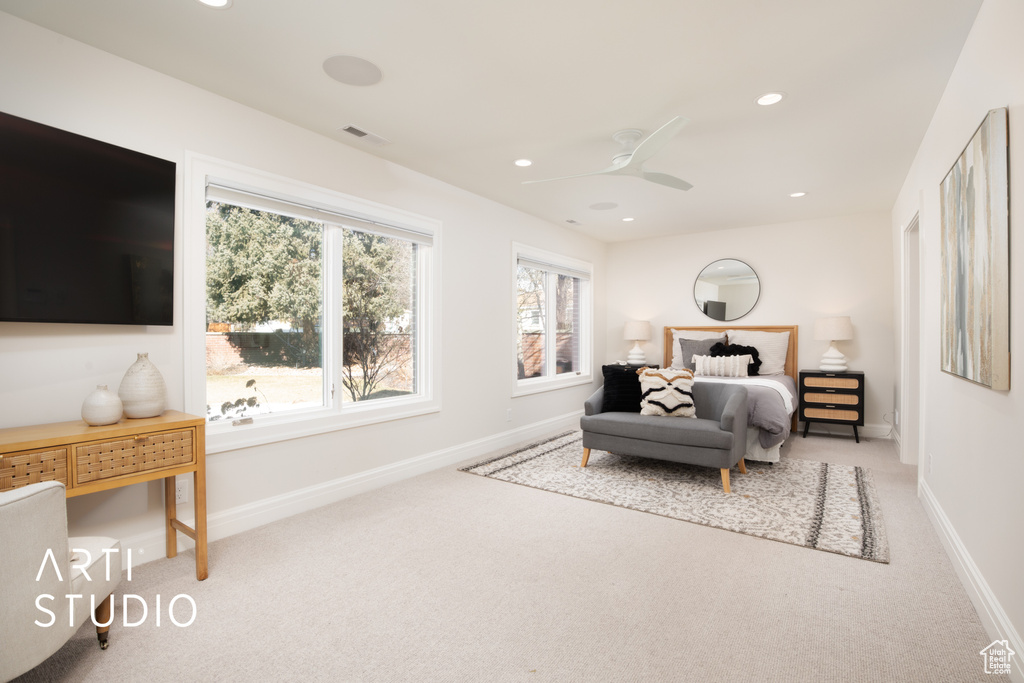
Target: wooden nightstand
[[833, 398]]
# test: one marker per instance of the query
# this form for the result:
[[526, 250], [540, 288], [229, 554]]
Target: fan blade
[[610, 169], [666, 179], [656, 140]]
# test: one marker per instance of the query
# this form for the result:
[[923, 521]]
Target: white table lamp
[[637, 331], [832, 330]]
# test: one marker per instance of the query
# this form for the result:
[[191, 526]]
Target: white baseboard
[[997, 624], [868, 431], [150, 545]]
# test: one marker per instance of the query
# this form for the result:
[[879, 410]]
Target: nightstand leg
[[807, 424], [855, 435]]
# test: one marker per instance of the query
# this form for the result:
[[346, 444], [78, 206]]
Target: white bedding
[[755, 450], [787, 396]]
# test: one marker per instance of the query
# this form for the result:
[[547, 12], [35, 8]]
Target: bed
[[772, 398]]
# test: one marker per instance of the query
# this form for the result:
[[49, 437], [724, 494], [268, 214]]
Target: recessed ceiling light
[[352, 70], [627, 219], [217, 4], [604, 206], [523, 162], [770, 98], [797, 194]]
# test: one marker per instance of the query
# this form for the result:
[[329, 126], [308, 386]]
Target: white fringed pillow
[[721, 366], [666, 392], [772, 348]]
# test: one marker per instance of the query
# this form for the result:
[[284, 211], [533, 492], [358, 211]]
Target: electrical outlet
[[931, 459], [896, 416], [180, 491]]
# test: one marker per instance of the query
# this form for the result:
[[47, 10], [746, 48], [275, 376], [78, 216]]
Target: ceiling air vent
[[366, 136]]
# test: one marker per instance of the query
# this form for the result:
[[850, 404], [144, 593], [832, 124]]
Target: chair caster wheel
[[104, 643]]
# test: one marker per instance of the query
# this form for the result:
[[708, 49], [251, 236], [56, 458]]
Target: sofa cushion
[[696, 432], [621, 389], [772, 348], [721, 349], [666, 392], [695, 347], [721, 366]]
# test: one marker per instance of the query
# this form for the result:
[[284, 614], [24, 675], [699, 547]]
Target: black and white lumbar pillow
[[666, 392]]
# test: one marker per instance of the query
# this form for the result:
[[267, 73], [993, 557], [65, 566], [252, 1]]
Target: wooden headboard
[[792, 358], [791, 354]]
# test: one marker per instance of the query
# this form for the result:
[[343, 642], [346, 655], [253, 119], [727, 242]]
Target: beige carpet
[[449, 577]]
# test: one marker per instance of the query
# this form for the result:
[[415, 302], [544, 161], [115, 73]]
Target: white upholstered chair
[[34, 549]]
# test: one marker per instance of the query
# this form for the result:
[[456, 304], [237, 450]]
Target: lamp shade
[[833, 329], [637, 330]]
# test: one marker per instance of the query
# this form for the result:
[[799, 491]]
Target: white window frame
[[334, 415], [558, 264]]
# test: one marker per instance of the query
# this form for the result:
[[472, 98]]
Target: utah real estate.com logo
[[997, 657]]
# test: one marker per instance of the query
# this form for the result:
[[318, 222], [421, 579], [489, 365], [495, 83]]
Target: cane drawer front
[[832, 397], [31, 467], [130, 455]]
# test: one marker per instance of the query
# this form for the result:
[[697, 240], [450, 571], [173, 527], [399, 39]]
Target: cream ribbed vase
[[142, 390], [101, 407]]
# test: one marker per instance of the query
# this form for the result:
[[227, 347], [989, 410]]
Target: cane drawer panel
[[832, 414], [832, 382], [845, 399], [131, 455], [32, 467]]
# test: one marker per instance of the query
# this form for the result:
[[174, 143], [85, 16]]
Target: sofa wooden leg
[[725, 479], [743, 466], [103, 616], [586, 457]]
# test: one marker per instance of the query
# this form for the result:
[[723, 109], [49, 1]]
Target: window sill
[[525, 387], [266, 429]]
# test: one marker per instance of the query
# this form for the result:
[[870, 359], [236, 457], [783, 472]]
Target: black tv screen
[[86, 229]]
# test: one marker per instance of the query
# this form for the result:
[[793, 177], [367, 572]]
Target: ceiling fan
[[630, 160]]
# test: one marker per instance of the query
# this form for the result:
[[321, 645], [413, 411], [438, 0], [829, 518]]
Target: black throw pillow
[[621, 389], [721, 349]]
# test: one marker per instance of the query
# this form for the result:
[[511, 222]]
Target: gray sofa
[[717, 437]]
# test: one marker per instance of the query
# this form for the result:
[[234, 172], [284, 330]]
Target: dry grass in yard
[[300, 387], [278, 386]]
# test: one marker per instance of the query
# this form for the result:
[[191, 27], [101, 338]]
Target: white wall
[[835, 266], [47, 370], [972, 434]]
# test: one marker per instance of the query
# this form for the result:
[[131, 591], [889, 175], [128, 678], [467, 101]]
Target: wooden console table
[[89, 459]]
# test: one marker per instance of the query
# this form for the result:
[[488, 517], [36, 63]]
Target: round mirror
[[726, 290]]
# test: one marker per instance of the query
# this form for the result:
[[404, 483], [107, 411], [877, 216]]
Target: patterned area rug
[[813, 504]]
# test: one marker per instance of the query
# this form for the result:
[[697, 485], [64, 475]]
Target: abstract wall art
[[975, 259]]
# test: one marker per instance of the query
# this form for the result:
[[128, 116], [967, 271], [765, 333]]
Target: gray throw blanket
[[767, 410]]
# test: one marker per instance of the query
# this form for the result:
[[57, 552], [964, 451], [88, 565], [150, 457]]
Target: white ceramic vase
[[142, 390], [101, 407]]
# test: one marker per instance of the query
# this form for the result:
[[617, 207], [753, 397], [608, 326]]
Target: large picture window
[[311, 312], [553, 332]]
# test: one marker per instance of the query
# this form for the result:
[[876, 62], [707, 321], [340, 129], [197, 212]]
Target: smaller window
[[553, 330]]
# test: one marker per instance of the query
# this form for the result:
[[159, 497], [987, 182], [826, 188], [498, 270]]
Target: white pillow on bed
[[772, 348], [697, 335], [721, 366]]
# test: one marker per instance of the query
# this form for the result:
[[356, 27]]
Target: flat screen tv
[[86, 229]]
